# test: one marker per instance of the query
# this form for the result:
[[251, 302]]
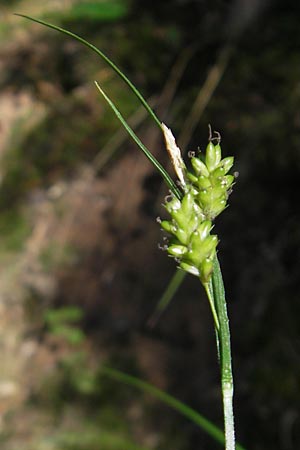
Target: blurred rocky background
[[81, 272]]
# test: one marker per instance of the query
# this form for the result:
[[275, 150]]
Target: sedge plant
[[196, 199]]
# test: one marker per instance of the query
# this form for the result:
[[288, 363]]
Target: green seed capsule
[[189, 268], [206, 269], [199, 167], [218, 153], [199, 211], [195, 242], [199, 250], [204, 198], [218, 192], [177, 250], [167, 226], [218, 172], [193, 178], [172, 205], [208, 247], [203, 182], [187, 204], [216, 207], [227, 163], [182, 236], [211, 157], [229, 179], [204, 229], [192, 224], [223, 183], [179, 218]]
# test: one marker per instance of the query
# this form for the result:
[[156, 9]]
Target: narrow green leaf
[[159, 167], [144, 149], [103, 56], [169, 400]]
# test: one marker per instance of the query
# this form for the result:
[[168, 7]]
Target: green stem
[[225, 355], [211, 293], [212, 306]]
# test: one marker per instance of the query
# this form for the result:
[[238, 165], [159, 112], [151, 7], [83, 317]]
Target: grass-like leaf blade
[[104, 57], [144, 149]]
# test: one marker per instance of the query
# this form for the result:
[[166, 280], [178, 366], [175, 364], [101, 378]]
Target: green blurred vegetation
[[60, 322], [14, 229], [96, 11]]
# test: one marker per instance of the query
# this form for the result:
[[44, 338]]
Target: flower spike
[[206, 191]]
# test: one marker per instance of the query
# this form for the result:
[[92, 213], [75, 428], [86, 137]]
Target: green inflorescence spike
[[205, 196]]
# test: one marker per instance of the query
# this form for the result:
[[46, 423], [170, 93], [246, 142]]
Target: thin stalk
[[212, 306], [167, 296], [225, 355]]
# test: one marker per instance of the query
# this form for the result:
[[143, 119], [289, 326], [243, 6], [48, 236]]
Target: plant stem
[[210, 297], [225, 355]]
